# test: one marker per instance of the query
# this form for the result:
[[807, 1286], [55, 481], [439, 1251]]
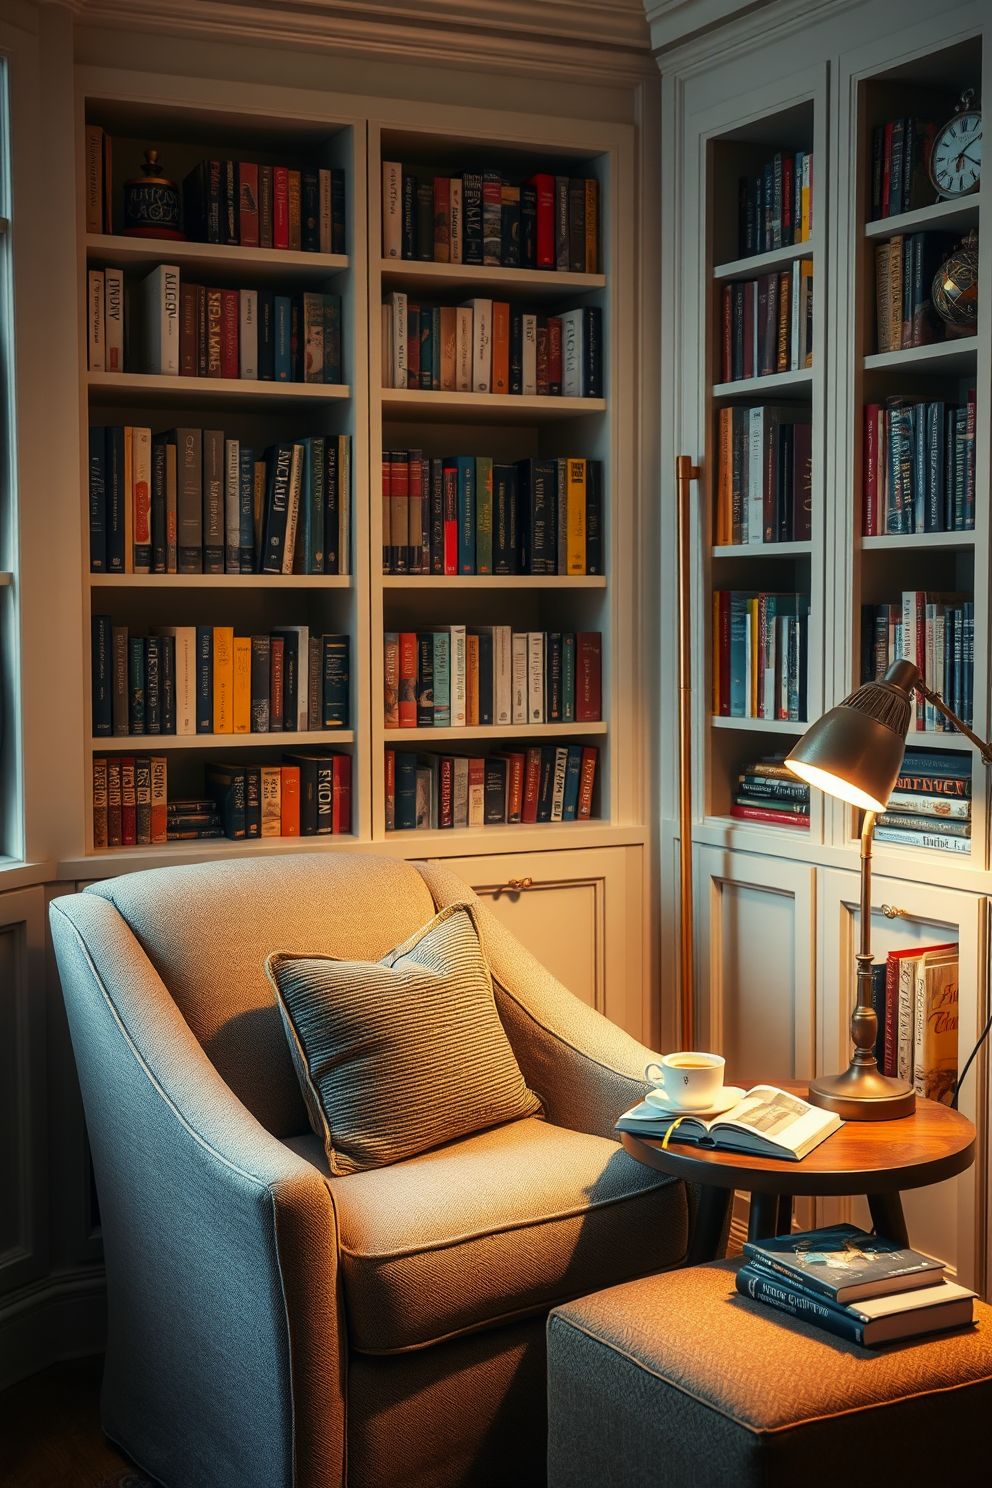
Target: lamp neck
[[867, 834], [864, 1024]]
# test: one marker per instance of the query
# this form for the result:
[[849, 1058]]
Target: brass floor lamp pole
[[685, 474]]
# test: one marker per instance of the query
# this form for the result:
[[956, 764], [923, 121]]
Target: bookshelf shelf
[[232, 582], [919, 541], [945, 216], [431, 278], [763, 263], [496, 408], [262, 264], [539, 836], [757, 387], [946, 358], [144, 390], [742, 824], [444, 582], [762, 550], [760, 725], [154, 743], [441, 736]]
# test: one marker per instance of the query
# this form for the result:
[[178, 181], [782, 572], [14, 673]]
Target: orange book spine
[[501, 347], [408, 679], [472, 680]]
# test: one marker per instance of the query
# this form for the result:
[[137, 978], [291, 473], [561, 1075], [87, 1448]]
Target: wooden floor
[[50, 1434]]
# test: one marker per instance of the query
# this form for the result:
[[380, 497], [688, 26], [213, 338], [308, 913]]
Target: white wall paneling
[[23, 1178]]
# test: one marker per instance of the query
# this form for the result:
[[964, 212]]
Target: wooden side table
[[875, 1158]]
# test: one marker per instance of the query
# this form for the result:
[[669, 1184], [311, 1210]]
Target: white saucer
[[729, 1096]]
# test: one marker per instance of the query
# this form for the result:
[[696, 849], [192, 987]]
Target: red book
[[387, 477], [341, 803], [890, 1040], [587, 779], [750, 309], [450, 517], [290, 801], [412, 345], [515, 771], [160, 812], [776, 818], [545, 187], [229, 313], [588, 676], [554, 356], [280, 206], [408, 679], [390, 802], [248, 203], [128, 800], [276, 651], [532, 785], [726, 337], [188, 331], [446, 791], [886, 168], [501, 347], [442, 219], [870, 516], [399, 504]]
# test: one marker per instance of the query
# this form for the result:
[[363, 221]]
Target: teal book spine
[[283, 339], [568, 678], [333, 369], [573, 770], [336, 681], [442, 679], [483, 514], [751, 1283]]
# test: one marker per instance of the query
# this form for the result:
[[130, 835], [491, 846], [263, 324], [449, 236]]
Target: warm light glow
[[834, 785]]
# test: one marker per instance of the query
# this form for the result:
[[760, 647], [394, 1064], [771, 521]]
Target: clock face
[[956, 156]]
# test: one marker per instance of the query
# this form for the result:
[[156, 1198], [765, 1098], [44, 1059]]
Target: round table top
[[861, 1157]]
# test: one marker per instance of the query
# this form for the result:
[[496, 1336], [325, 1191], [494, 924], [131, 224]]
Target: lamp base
[[861, 1093]]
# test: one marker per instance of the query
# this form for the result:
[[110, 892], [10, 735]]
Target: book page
[[775, 1116]]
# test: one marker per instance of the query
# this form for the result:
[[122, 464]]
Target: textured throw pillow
[[400, 1055]]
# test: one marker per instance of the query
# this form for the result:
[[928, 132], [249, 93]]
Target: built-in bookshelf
[[11, 805]]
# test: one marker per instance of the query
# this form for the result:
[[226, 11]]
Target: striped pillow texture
[[400, 1055]]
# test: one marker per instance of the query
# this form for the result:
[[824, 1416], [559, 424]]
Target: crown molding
[[596, 41], [674, 22], [744, 29]]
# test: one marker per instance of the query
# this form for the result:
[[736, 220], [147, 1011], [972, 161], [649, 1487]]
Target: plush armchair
[[271, 1326]]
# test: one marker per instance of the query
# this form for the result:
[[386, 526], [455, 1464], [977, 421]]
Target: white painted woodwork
[[23, 1156]]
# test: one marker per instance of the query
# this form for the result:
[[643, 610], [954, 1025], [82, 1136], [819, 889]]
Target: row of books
[[485, 217], [899, 178], [194, 501], [768, 792], [469, 514], [491, 346], [760, 654], [164, 327], [204, 679], [919, 466], [430, 792], [930, 804], [765, 481], [863, 1288], [915, 996], [775, 207], [767, 324], [235, 202], [904, 275], [937, 632], [459, 676]]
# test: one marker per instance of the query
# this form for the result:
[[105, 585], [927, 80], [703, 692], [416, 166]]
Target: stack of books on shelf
[[469, 514], [904, 274], [129, 801], [487, 217], [235, 202], [760, 654], [768, 792], [919, 466], [204, 679], [432, 792], [491, 346], [931, 804], [775, 207], [915, 997], [462, 677], [899, 180], [767, 324], [937, 632], [860, 1287], [160, 326], [194, 501], [765, 487]]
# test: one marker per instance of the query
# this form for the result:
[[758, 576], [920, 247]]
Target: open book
[[768, 1122]]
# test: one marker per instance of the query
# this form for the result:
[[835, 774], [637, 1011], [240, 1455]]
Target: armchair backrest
[[207, 929]]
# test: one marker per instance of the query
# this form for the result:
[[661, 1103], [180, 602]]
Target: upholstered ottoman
[[676, 1381]]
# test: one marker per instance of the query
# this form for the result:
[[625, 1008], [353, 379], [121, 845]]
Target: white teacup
[[689, 1081]]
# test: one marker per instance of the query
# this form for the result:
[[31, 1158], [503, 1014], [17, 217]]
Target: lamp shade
[[855, 750]]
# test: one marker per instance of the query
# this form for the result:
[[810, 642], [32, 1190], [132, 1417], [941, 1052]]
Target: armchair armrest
[[221, 1243], [586, 1070]]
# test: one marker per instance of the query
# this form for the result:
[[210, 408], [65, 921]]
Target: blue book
[[573, 769], [406, 792], [335, 671], [226, 783], [246, 510], [204, 679], [931, 1309], [283, 338], [103, 721], [739, 601], [136, 684], [844, 1263], [568, 677], [486, 677], [333, 367], [465, 466], [436, 348], [442, 679], [279, 465], [925, 762], [427, 347], [115, 499], [98, 500]]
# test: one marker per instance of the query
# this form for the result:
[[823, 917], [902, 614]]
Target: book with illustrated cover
[[844, 1263], [871, 1322], [767, 1122]]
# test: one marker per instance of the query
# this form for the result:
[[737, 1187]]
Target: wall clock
[[955, 164]]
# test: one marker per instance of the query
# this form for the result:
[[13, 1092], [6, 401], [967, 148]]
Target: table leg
[[888, 1218], [784, 1220], [707, 1232], [763, 1220]]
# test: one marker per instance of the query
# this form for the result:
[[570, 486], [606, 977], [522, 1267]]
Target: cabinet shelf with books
[[520, 284], [147, 390], [267, 264], [764, 263]]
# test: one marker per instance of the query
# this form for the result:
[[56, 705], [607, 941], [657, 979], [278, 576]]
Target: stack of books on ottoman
[[858, 1286]]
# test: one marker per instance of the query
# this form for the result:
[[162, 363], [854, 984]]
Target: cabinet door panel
[[23, 1177]]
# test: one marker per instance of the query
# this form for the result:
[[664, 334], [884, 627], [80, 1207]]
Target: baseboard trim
[[61, 1317]]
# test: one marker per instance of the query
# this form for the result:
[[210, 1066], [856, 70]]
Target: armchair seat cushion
[[494, 1227]]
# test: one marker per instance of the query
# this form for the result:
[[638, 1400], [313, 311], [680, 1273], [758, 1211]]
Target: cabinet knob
[[518, 884], [892, 912]]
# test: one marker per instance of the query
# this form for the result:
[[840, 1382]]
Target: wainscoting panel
[[23, 1167]]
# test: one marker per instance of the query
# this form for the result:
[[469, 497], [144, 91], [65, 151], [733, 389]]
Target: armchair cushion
[[398, 1056], [492, 1228]]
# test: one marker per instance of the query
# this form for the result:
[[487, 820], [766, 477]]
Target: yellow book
[[471, 680], [806, 217], [752, 606], [271, 800], [128, 502], [575, 524], [223, 679], [242, 685]]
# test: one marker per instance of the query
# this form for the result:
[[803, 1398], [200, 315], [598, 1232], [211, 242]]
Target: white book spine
[[919, 1023], [392, 209], [114, 319], [571, 354], [464, 349], [324, 190], [232, 505], [386, 346], [476, 802], [558, 784], [161, 308], [520, 677], [303, 679], [794, 362], [906, 1017], [398, 301], [96, 323], [293, 508], [344, 504], [482, 345], [455, 209], [529, 356], [248, 334], [755, 478], [503, 675], [456, 663], [535, 676]]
